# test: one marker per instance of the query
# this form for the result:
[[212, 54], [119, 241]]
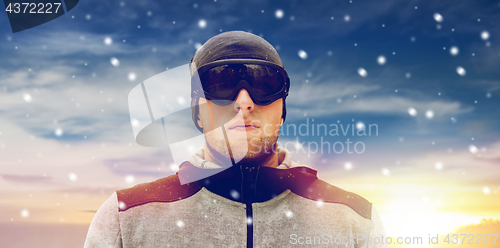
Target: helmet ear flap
[[195, 110]]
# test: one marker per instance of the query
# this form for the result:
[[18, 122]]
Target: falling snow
[[58, 132], [485, 35], [302, 54], [115, 62], [27, 97], [108, 41], [73, 177], [174, 167], [438, 17], [454, 50], [234, 194], [412, 111], [181, 100], [132, 76], [122, 205], [279, 13], [381, 60], [362, 72], [130, 179], [25, 213], [135, 122], [486, 190], [461, 71], [429, 114], [360, 125], [439, 166], [473, 149], [348, 166], [202, 23], [386, 172], [180, 223]]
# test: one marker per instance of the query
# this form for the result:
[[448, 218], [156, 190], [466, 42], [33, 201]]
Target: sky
[[423, 74]]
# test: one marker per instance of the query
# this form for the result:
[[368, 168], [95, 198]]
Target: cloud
[[460, 165], [153, 165], [102, 191], [336, 98], [21, 79], [50, 45], [29, 179]]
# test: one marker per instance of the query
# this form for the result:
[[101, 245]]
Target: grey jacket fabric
[[164, 214]]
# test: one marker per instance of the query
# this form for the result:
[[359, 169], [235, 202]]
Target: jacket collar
[[248, 184], [284, 159]]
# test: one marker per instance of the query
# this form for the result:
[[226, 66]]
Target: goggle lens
[[264, 83]]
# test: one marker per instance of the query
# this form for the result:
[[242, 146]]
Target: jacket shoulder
[[320, 190], [166, 189]]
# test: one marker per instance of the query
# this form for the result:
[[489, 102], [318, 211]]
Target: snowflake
[[27, 97], [362, 72], [180, 223], [439, 166], [108, 41], [429, 114], [386, 172], [73, 177], [302, 54], [115, 62], [58, 132], [381, 60], [485, 35], [202, 23], [438, 17], [132, 76], [279, 13], [412, 111]]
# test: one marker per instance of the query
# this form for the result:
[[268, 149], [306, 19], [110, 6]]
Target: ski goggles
[[221, 81]]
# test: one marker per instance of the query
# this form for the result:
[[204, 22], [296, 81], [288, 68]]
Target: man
[[256, 196]]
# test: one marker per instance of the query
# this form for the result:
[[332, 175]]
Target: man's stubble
[[257, 149]]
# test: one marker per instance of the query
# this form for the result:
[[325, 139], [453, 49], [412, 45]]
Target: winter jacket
[[239, 206]]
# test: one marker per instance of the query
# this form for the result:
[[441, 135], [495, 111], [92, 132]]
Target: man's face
[[253, 131]]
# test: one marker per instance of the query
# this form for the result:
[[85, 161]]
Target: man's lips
[[246, 126]]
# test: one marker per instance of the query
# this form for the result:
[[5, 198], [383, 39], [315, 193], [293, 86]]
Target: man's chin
[[254, 156]]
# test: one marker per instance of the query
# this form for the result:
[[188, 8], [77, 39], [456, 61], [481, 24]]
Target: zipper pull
[[249, 173]]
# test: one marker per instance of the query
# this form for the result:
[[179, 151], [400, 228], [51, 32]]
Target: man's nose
[[243, 101]]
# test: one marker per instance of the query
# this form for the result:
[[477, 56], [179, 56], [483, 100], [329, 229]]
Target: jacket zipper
[[249, 176]]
